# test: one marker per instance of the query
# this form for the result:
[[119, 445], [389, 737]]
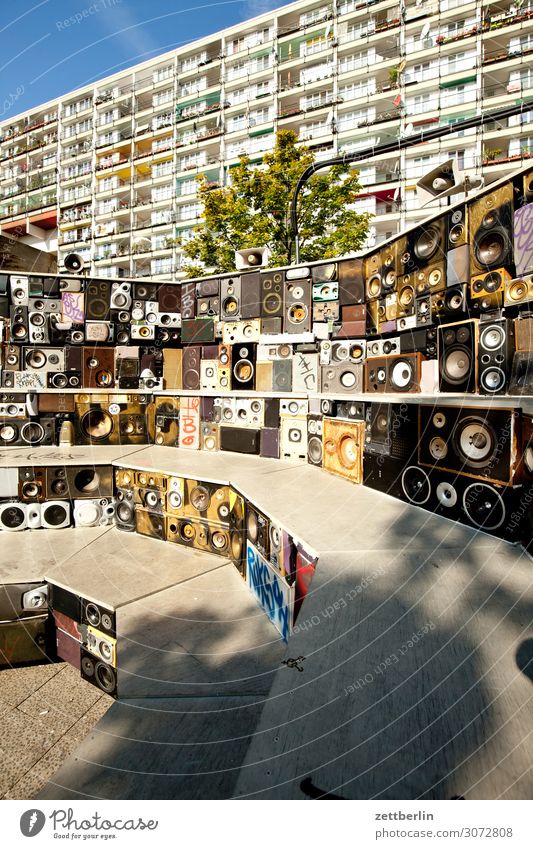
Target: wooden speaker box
[[343, 443]]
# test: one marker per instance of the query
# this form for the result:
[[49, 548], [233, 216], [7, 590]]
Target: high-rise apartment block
[[108, 171]]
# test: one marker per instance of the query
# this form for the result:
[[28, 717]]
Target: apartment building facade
[[109, 171]]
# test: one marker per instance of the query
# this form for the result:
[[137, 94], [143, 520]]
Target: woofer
[[96, 424], [416, 485]]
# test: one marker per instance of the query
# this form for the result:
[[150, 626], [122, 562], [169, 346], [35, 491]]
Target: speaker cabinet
[[243, 371], [457, 230], [426, 246], [25, 641], [490, 227], [169, 297], [398, 373], [19, 600], [297, 306], [100, 645], [79, 482], [124, 510], [56, 514], [191, 367], [68, 648], [523, 239], [281, 375], [458, 265], [98, 673], [230, 298], [208, 308], [251, 295], [204, 536], [480, 443], [372, 266], [206, 501], [343, 448], [27, 432], [314, 440], [66, 603], [495, 355], [188, 300], [97, 300], [391, 430], [518, 291], [32, 483], [342, 378], [383, 474], [257, 530], [245, 440], [93, 512], [486, 290], [269, 442], [457, 346], [293, 437], [524, 333], [98, 368], [521, 382], [18, 324], [271, 294], [350, 273], [449, 305]]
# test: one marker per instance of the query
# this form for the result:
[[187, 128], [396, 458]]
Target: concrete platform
[[28, 555], [73, 455]]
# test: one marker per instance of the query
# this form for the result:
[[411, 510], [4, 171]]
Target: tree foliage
[[253, 211]]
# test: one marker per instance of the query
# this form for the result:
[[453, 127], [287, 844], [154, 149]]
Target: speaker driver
[[230, 305], [406, 296], [374, 286], [348, 451], [105, 677], [8, 433], [490, 249], [96, 424], [457, 365], [252, 527], [87, 666], [200, 498], [492, 337], [348, 379], [187, 532], [297, 313], [416, 485], [92, 612], [236, 545], [87, 480], [152, 498], [175, 500], [54, 515], [493, 379], [438, 448], [219, 540], [475, 441], [124, 512], [456, 234], [453, 301], [484, 506], [243, 371], [32, 433], [446, 494], [402, 375], [13, 517], [36, 359], [427, 243]]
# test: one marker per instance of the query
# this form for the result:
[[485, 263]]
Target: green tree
[[253, 211]]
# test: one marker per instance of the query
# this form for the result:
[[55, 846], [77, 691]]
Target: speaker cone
[[105, 677], [236, 545], [36, 359], [457, 365], [219, 540], [492, 337], [252, 527], [8, 433], [416, 485], [54, 514], [446, 494], [484, 506], [427, 243], [348, 451], [402, 375], [96, 424], [490, 248], [87, 480], [200, 498], [438, 448], [243, 371], [475, 441], [297, 313], [175, 500], [32, 433], [12, 516], [87, 666]]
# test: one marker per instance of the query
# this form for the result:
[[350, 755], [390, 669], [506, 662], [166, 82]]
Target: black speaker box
[[197, 331], [243, 371], [521, 382], [470, 441], [97, 672], [145, 292], [271, 418], [271, 294], [244, 440], [251, 295], [191, 367], [97, 300], [383, 474], [64, 601], [490, 224], [169, 297], [269, 442], [495, 355], [457, 353]]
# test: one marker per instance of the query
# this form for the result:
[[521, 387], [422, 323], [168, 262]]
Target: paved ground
[[45, 712]]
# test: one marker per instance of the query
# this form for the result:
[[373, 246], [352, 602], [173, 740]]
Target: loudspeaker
[[150, 499], [243, 371], [293, 437], [495, 355], [97, 300], [27, 432], [12, 357], [314, 440], [351, 281], [191, 367], [68, 648], [383, 474], [124, 510], [188, 299], [523, 327], [205, 536], [79, 482], [169, 297], [98, 367], [490, 229], [55, 514], [297, 306], [32, 483], [18, 324], [458, 265], [251, 257], [397, 373], [235, 332], [245, 440], [120, 296], [197, 331], [523, 239], [230, 298], [94, 512], [441, 179], [269, 442], [350, 410], [518, 291], [208, 307], [43, 359], [98, 616], [73, 263], [457, 231], [521, 382], [373, 276], [342, 378], [68, 604], [457, 346], [271, 294], [18, 600], [96, 672], [257, 530], [209, 437], [251, 295], [486, 290], [19, 290], [469, 441], [25, 641], [449, 305], [60, 380], [391, 430], [100, 645], [324, 273], [426, 246], [343, 448], [173, 367], [145, 291]]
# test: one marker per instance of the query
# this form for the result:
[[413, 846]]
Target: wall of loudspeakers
[[445, 308]]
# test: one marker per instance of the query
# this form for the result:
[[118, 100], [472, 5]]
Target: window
[[162, 193], [237, 122], [163, 74], [161, 169], [163, 97], [192, 62], [314, 15], [313, 45], [189, 210], [187, 187], [260, 116]]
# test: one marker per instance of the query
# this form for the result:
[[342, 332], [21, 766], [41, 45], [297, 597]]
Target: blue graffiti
[[268, 587]]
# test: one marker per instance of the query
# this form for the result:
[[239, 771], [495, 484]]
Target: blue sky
[[48, 47]]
